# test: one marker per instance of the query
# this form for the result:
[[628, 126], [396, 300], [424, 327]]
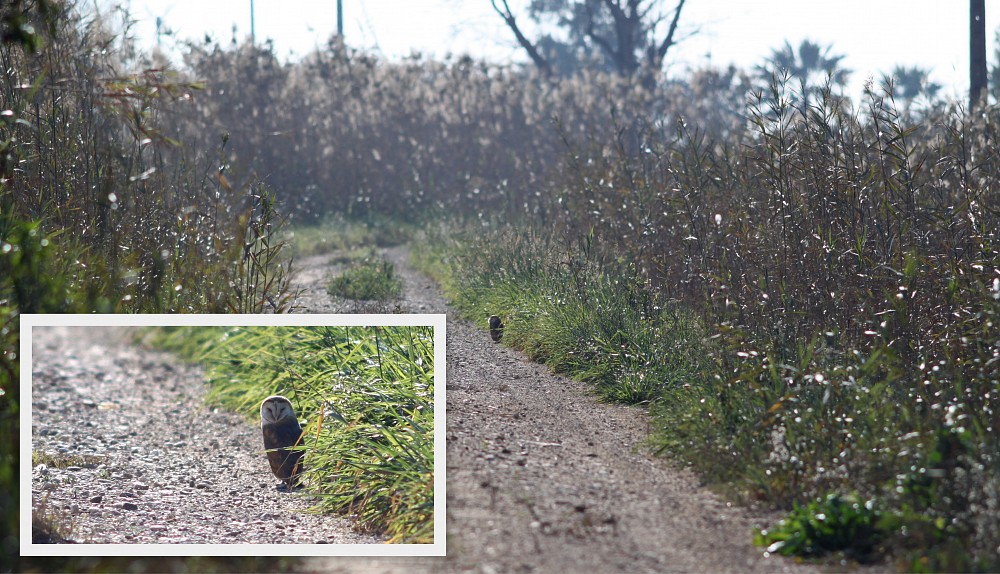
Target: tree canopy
[[629, 37]]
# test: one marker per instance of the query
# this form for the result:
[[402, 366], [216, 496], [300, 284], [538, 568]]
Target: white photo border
[[437, 321]]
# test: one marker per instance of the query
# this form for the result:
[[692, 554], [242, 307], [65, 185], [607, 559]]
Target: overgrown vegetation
[[598, 324], [365, 397], [107, 207], [844, 264], [346, 132]]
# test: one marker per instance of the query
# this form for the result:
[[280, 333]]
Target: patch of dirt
[[312, 275], [131, 454], [542, 477]]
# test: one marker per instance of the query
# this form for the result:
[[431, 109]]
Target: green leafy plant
[[834, 524]]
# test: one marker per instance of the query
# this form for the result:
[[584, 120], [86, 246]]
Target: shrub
[[373, 279], [835, 523]]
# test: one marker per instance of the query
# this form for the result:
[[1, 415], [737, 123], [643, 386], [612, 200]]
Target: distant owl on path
[[281, 430], [496, 327]]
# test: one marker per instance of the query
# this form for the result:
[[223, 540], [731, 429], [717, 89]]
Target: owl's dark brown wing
[[277, 436]]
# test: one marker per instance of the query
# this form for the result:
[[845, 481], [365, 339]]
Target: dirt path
[[543, 478], [135, 456]]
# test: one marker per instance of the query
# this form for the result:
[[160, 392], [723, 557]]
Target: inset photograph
[[167, 438]]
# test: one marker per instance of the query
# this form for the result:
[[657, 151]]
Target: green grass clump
[[365, 397], [602, 326], [372, 279], [340, 233], [336, 233], [57, 460], [834, 524]]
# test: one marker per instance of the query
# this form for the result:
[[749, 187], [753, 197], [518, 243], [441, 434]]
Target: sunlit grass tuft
[[50, 524], [335, 234], [60, 460], [371, 279]]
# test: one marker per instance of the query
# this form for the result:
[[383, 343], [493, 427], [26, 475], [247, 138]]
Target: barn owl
[[281, 430], [496, 327]]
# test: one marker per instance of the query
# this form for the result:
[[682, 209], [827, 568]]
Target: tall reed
[[104, 207], [844, 264]]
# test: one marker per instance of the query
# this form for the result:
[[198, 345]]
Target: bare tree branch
[[624, 31], [668, 41], [508, 18], [627, 28], [604, 43]]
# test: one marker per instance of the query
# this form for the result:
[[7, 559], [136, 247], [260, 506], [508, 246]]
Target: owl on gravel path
[[281, 430]]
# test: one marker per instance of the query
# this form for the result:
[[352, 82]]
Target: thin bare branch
[[668, 41], [508, 18]]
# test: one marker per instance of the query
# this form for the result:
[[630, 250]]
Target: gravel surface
[[148, 461], [544, 478]]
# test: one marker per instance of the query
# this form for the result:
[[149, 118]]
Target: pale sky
[[875, 35]]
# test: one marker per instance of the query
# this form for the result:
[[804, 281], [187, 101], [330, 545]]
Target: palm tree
[[911, 83], [811, 65]]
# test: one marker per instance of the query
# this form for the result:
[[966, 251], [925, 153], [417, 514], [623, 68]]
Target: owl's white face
[[276, 409]]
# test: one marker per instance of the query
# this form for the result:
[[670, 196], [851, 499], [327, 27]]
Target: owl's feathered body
[[281, 430], [496, 328]]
